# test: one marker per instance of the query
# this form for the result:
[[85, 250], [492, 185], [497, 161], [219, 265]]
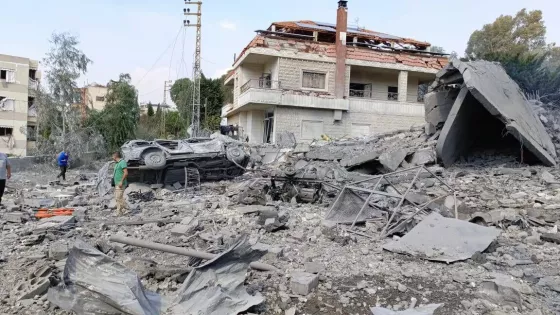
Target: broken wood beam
[[181, 251]]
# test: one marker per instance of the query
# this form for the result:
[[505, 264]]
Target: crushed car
[[165, 161]]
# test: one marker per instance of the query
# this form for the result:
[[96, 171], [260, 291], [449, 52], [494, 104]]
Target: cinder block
[[58, 250], [304, 283]]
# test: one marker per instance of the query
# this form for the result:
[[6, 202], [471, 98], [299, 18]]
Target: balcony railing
[[33, 84], [261, 84], [390, 96]]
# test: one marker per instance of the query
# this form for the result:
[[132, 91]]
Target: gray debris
[[443, 239], [217, 286], [503, 290], [360, 159], [488, 93], [551, 282], [423, 157], [422, 310], [392, 160], [347, 207], [58, 250], [94, 281], [37, 284], [303, 283], [58, 223]]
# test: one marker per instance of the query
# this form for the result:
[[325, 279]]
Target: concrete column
[[315, 36], [403, 85]]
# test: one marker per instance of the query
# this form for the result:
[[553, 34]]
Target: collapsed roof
[[489, 106]]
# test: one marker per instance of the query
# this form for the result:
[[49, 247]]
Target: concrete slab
[[303, 283], [489, 93], [360, 159], [392, 160], [59, 223], [442, 239], [438, 104]]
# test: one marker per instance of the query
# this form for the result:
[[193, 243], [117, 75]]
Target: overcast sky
[[144, 37]]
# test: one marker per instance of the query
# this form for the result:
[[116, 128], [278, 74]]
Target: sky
[[146, 38]]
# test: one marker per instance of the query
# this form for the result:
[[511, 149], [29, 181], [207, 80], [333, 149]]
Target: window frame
[[326, 73], [100, 98], [7, 135]]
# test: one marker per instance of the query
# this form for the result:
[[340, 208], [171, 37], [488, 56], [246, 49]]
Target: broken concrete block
[[551, 237], [551, 282], [302, 148], [314, 267], [437, 105], [185, 229], [548, 178], [58, 223], [58, 250], [13, 217], [421, 310], [303, 283], [423, 157], [392, 160], [359, 160], [177, 186], [503, 290], [38, 283]]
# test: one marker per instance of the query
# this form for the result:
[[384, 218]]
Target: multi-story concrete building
[[314, 78], [92, 97], [19, 81]]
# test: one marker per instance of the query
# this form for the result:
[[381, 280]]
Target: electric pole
[[195, 123], [166, 88]]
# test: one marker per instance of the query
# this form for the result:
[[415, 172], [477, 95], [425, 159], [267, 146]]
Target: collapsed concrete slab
[[489, 106]]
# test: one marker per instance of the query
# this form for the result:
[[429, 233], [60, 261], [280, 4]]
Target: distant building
[[312, 78], [164, 107], [92, 97], [19, 81]]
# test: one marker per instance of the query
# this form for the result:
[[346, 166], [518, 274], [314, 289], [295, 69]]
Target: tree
[[508, 36], [437, 49], [150, 110], [59, 122], [117, 122], [174, 124], [211, 93], [519, 44]]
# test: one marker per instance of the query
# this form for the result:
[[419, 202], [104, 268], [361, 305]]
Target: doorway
[[268, 127]]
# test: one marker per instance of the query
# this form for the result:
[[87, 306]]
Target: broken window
[[6, 131], [31, 133], [33, 74], [7, 104], [8, 75], [360, 90], [314, 80], [100, 99], [393, 93]]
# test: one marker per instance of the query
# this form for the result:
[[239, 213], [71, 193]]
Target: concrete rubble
[[349, 226]]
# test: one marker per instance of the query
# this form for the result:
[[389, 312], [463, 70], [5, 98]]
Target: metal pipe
[[181, 251]]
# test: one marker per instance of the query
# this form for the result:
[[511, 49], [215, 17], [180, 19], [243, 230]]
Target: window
[[100, 99], [6, 131], [393, 93], [7, 104], [8, 75], [314, 80], [31, 133], [33, 74]]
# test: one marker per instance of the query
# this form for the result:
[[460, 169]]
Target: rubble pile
[[371, 225]]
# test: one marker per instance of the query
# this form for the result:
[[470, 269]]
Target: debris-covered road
[[323, 267]]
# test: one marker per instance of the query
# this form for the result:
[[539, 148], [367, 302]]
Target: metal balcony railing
[[33, 84], [260, 84], [390, 96]]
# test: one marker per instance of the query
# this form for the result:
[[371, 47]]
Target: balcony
[[389, 96], [33, 84], [261, 93]]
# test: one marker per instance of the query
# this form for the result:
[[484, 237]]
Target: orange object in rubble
[[49, 213]]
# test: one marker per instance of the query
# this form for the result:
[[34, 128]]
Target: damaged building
[[476, 107], [315, 79]]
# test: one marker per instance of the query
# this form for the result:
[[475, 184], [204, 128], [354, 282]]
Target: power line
[[197, 71], [159, 58]]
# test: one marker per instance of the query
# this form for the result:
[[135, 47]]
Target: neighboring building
[[19, 81], [164, 107], [314, 78], [92, 97]]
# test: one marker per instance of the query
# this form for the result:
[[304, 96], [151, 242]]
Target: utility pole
[[166, 87], [206, 112], [195, 123]]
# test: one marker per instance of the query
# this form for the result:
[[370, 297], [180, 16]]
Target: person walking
[[5, 173], [120, 175], [63, 164]]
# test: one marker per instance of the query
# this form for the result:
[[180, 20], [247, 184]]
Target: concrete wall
[[92, 92], [255, 126], [19, 92], [291, 71], [364, 117]]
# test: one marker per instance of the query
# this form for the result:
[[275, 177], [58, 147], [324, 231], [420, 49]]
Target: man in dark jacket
[[62, 161]]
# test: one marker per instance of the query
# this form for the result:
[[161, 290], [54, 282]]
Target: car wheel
[[235, 154], [154, 159]]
